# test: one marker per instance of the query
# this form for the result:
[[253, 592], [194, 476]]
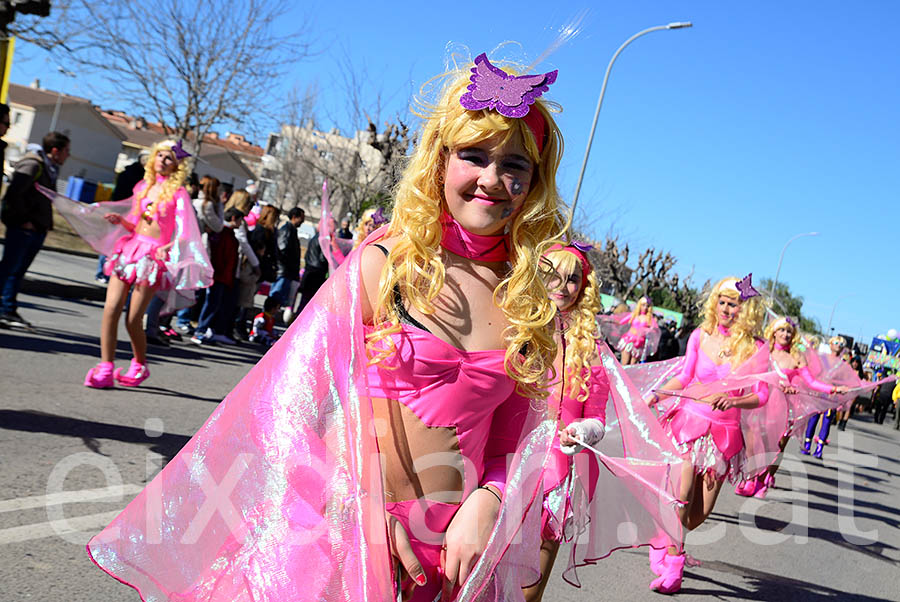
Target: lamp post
[[780, 259], [587, 151], [59, 96]]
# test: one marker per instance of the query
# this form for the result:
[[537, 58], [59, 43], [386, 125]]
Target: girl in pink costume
[[790, 363], [586, 501], [640, 339], [715, 385], [409, 393], [153, 246]]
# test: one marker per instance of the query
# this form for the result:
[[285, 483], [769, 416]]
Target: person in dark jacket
[[218, 308], [288, 258], [28, 216], [315, 272], [4, 127]]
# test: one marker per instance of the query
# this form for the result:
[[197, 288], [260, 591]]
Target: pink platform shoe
[[137, 373], [747, 488], [670, 581], [100, 376], [658, 560], [767, 482]]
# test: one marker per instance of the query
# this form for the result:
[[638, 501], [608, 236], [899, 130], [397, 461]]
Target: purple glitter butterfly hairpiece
[[745, 287], [510, 95], [791, 321], [378, 217], [581, 246], [179, 151]]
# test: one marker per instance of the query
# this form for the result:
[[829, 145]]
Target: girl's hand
[[162, 253], [788, 390], [841, 389], [467, 536], [719, 401], [404, 556], [113, 218], [566, 434]]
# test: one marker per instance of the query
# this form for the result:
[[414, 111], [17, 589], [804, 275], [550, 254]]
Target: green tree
[[787, 304]]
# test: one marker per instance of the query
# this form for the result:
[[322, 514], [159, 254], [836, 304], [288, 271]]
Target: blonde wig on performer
[[580, 322], [838, 340], [643, 301], [746, 328], [365, 222], [172, 183], [414, 264], [770, 337]]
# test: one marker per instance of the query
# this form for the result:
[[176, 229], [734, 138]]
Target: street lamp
[[59, 96], [587, 151], [780, 259]]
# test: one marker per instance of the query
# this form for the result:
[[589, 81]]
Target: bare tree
[[47, 33], [192, 65], [361, 161]]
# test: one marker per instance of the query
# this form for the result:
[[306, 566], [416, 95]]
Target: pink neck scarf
[[781, 347], [459, 241], [724, 331]]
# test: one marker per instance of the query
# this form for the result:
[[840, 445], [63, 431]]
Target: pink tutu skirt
[[712, 439], [134, 261]]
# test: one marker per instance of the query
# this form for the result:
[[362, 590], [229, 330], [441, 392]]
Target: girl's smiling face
[[485, 184]]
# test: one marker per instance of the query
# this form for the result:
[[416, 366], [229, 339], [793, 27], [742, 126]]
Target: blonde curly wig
[[745, 330], [580, 321], [171, 185], [794, 349], [414, 263]]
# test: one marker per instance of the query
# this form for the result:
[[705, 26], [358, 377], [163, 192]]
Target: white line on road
[[67, 497], [89, 524]]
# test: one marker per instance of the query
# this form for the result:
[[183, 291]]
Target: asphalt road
[[71, 458]]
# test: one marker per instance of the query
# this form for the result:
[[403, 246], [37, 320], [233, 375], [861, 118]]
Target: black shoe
[[159, 342], [13, 319]]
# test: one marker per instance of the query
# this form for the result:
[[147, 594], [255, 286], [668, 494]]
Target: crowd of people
[[439, 418]]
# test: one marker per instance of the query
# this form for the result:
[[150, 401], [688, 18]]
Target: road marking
[[85, 525], [67, 497]]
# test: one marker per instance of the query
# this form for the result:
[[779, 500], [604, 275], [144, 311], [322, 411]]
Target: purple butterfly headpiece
[[378, 217], [179, 151], [745, 287], [791, 321], [584, 247], [510, 95]]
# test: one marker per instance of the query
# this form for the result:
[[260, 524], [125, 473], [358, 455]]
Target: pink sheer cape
[[279, 495], [633, 499], [616, 326], [830, 370], [761, 427], [188, 267]]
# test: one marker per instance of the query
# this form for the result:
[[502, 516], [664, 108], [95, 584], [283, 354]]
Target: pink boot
[[100, 376], [137, 373], [658, 560], [670, 581]]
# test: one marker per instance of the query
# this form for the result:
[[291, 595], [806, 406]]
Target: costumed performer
[[635, 334], [712, 419], [372, 219], [836, 345], [412, 417], [588, 506], [790, 363], [153, 246]]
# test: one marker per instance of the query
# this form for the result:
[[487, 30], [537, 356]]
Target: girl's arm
[[686, 375]]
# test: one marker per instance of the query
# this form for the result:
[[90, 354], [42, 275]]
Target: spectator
[[288, 258], [263, 330], [209, 208], [28, 216], [193, 186], [225, 191], [265, 237], [248, 272], [4, 127], [344, 231], [218, 308], [315, 272]]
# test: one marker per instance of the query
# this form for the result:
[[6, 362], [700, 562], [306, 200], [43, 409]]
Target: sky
[[717, 143]]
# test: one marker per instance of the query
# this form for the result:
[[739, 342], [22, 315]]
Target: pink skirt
[[134, 261], [712, 439]]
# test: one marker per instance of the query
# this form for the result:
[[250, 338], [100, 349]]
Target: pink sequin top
[[165, 216]]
